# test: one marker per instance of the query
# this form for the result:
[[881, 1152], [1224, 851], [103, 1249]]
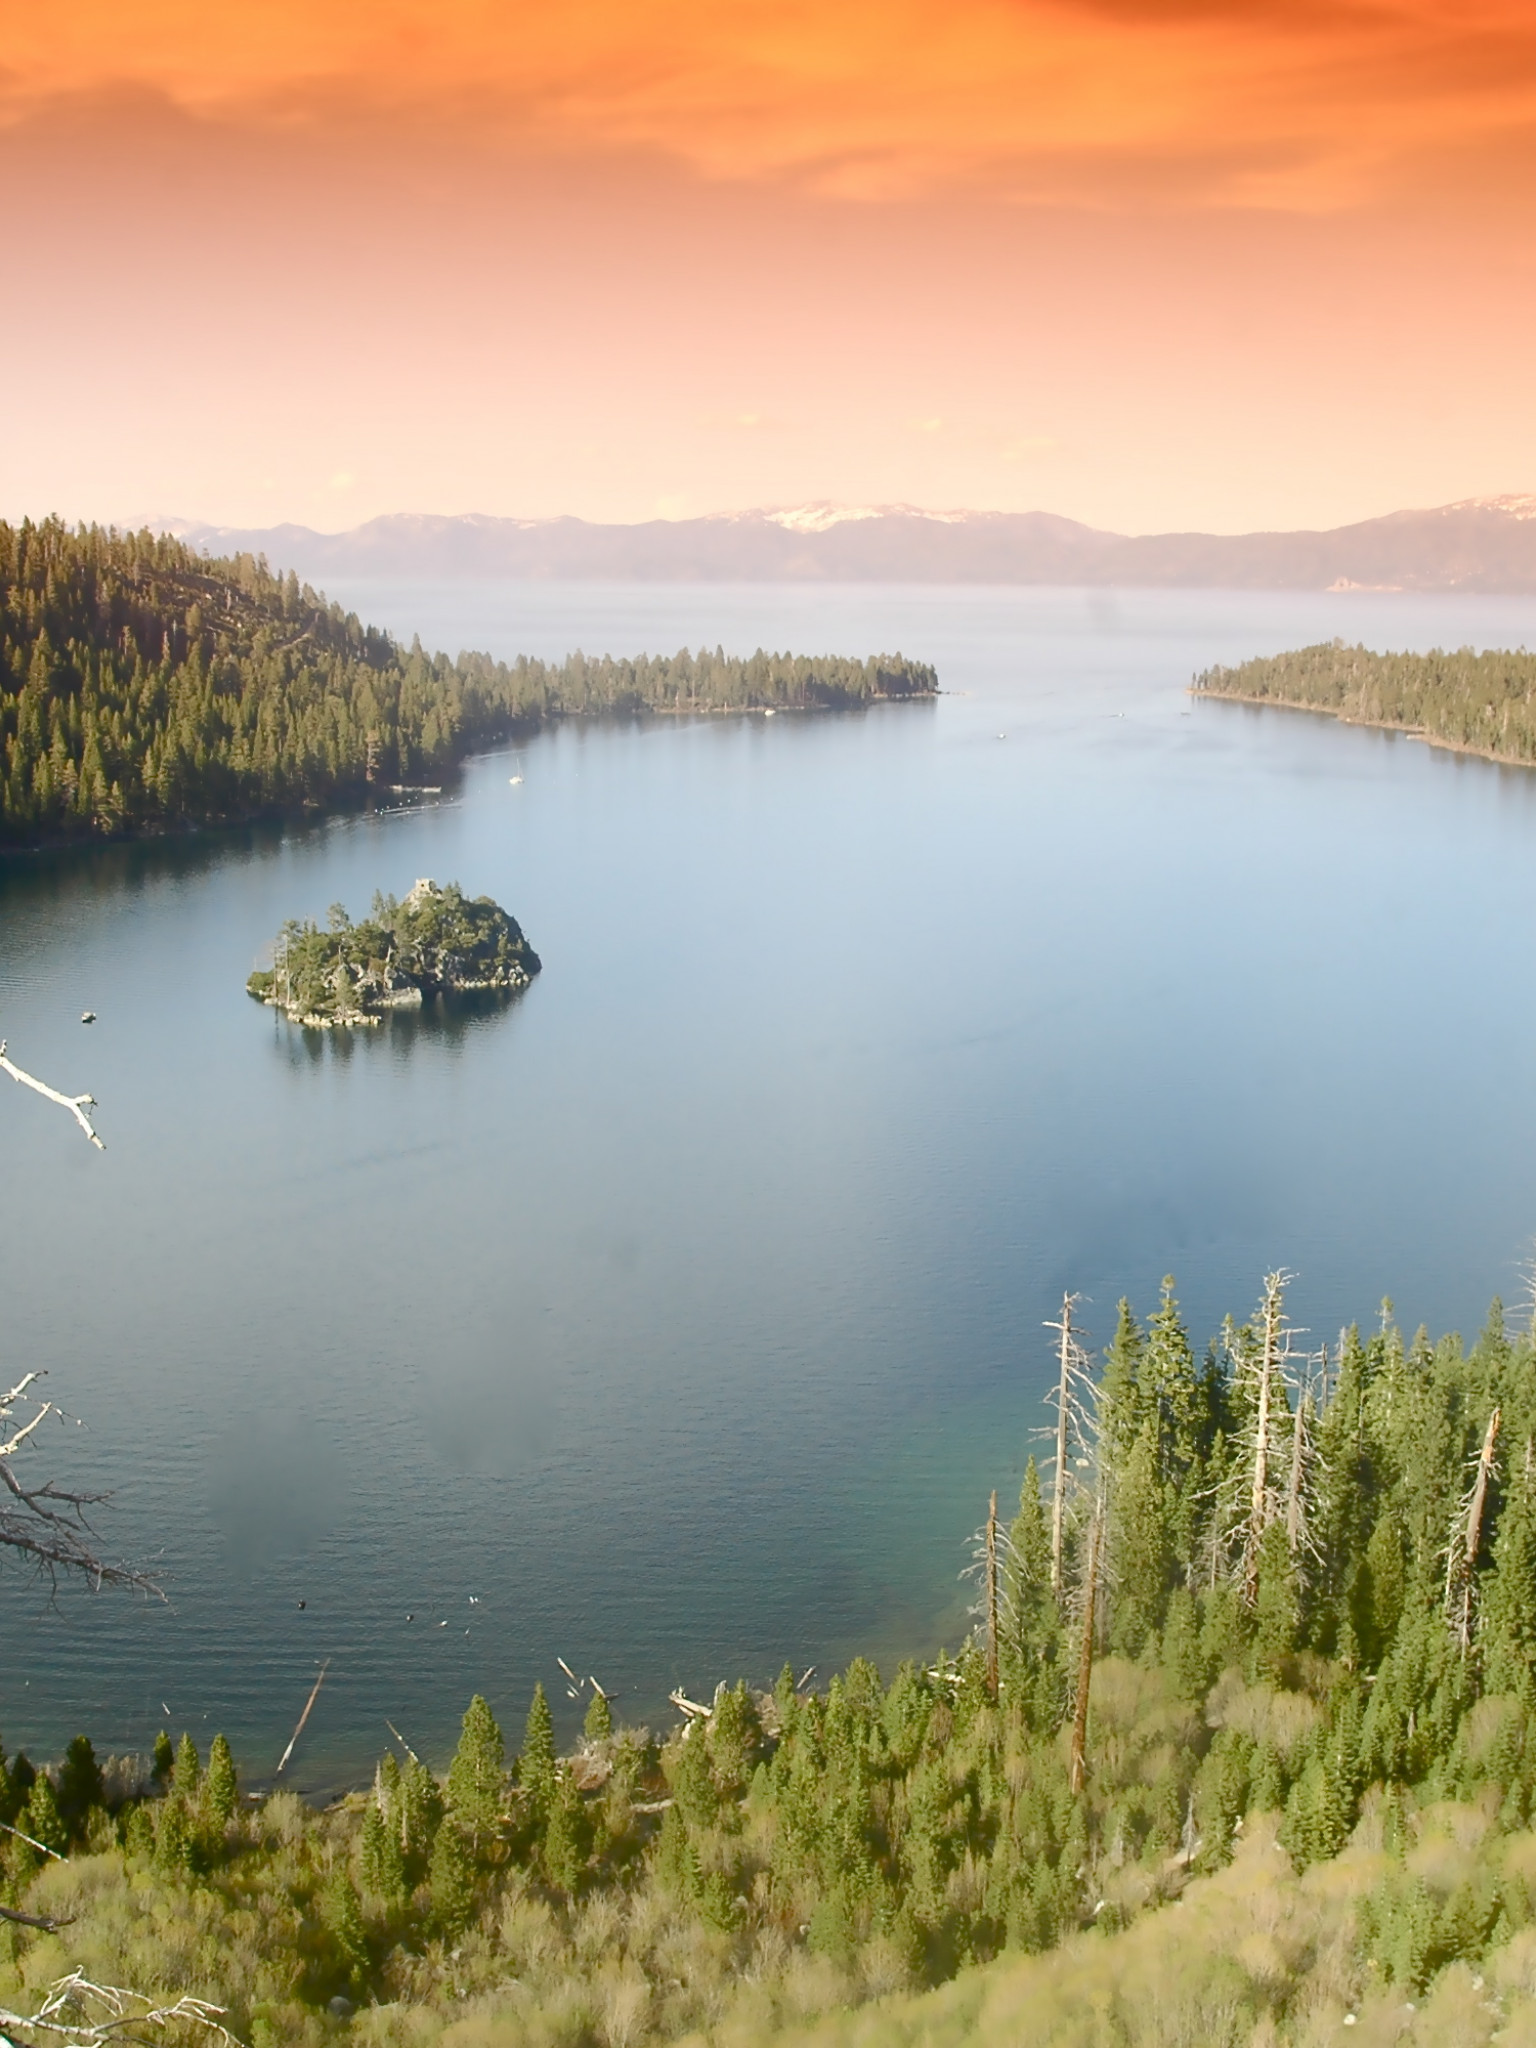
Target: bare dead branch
[[31, 1842], [8, 1450], [77, 1105], [95, 2014], [32, 1919], [50, 1524]]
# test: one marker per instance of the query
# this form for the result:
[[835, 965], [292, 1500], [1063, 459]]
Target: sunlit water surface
[[678, 1318]]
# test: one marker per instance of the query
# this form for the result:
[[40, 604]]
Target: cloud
[[1280, 104]]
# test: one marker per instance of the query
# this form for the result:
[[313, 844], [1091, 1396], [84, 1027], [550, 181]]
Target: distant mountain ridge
[[1479, 544]]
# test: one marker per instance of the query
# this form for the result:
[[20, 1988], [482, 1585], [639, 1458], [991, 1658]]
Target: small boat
[[87, 1016], [514, 780]]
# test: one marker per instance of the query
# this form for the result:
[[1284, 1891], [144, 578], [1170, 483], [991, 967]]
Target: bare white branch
[[77, 1105], [95, 2014]]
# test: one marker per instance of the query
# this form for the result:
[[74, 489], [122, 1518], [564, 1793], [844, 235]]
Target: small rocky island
[[437, 942]]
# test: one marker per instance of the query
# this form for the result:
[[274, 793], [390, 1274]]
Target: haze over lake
[[684, 1312]]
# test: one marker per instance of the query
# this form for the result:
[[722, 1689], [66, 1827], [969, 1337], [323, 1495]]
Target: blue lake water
[[684, 1312]]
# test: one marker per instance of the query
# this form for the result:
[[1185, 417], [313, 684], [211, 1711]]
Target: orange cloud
[[1303, 107]]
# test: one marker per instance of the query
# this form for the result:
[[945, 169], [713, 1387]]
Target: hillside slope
[[144, 686]]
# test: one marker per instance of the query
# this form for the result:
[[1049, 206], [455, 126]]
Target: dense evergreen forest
[[1255, 1648], [1484, 703], [145, 687]]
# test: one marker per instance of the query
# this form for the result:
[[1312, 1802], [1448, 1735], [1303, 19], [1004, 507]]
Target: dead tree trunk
[[992, 1596], [1085, 1656], [1271, 1318], [1466, 1541], [1063, 1420]]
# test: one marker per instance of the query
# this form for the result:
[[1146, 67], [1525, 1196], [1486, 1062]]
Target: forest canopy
[[1259, 1638], [1482, 703], [144, 686]]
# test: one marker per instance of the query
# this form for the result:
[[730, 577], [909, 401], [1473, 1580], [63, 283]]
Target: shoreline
[[320, 810], [1411, 732]]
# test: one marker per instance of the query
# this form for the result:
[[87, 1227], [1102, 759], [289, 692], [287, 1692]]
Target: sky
[[1154, 264]]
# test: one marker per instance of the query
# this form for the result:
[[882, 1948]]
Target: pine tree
[[220, 1790], [175, 1838], [1030, 1617], [189, 1770], [341, 1914], [598, 1725], [565, 1836], [80, 1784], [536, 1762], [139, 1833], [451, 1880], [691, 1779], [41, 1818], [1121, 1399], [1182, 1657], [1276, 1607], [164, 1758], [382, 1863], [1140, 1546], [477, 1776], [734, 1732], [421, 1815], [1174, 1391], [1378, 1589], [1507, 1626]]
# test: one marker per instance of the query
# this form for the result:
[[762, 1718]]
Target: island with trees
[[438, 941], [147, 688], [1240, 1751], [1474, 703]]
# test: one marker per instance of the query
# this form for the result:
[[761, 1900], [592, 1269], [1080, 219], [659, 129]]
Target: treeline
[[145, 687], [1258, 1593], [1480, 702]]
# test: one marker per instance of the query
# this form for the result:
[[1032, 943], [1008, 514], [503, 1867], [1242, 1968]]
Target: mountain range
[[1479, 544]]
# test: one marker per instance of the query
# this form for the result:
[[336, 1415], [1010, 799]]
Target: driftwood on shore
[[77, 1105]]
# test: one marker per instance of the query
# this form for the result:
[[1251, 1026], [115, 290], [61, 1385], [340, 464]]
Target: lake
[[678, 1318]]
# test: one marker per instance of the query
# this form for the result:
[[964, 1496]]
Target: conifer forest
[[1480, 703], [1241, 1748], [144, 687]]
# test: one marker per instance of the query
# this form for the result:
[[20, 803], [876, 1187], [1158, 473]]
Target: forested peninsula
[[1241, 1750], [145, 687], [1475, 703]]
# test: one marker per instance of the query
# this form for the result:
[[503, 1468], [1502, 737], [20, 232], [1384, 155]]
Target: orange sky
[[1149, 262]]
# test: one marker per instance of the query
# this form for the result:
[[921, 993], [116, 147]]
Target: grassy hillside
[[145, 687], [1253, 1957]]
